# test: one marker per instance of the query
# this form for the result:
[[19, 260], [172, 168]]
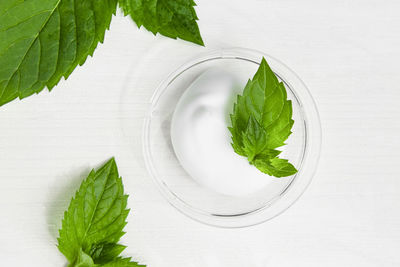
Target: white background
[[346, 51]]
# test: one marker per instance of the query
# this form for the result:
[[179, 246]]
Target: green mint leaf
[[95, 217], [122, 262], [83, 260], [262, 121], [104, 253], [275, 166], [44, 40], [171, 18], [254, 139]]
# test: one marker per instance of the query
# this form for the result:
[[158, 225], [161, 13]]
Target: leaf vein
[[30, 46], [24, 20]]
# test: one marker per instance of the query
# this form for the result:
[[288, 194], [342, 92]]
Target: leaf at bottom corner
[[96, 215], [122, 262], [83, 260]]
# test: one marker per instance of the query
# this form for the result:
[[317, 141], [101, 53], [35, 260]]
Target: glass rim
[[309, 160]]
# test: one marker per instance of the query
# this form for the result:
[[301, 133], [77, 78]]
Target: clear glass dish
[[203, 204]]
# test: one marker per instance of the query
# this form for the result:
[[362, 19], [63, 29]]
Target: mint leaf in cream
[[262, 121]]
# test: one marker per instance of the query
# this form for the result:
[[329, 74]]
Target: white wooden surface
[[347, 52]]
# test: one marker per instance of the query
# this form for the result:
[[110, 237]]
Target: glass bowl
[[208, 206]]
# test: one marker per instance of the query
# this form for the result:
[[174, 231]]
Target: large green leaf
[[44, 40], [171, 18]]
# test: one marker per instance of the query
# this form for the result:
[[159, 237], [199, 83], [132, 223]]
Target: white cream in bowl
[[202, 141]]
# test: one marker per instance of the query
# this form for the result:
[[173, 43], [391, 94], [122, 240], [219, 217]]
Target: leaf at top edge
[[171, 18], [42, 41]]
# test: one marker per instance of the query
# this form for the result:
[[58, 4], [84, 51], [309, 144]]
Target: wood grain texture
[[346, 52]]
